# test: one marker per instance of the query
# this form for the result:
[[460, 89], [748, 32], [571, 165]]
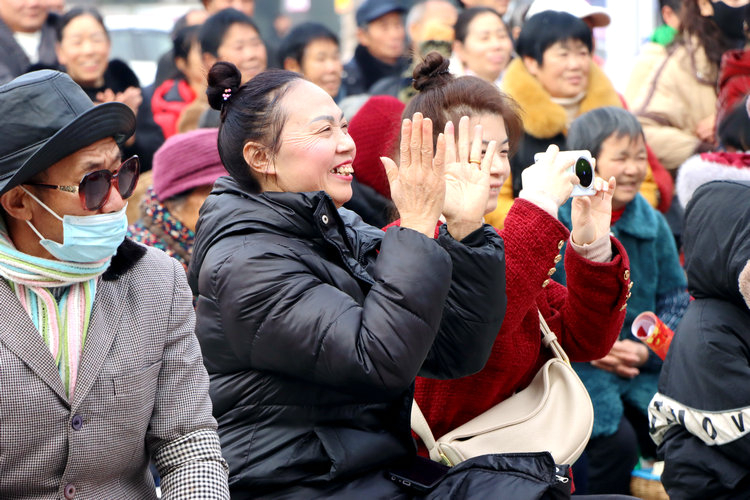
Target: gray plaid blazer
[[142, 393]]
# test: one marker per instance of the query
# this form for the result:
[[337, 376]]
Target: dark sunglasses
[[95, 186]]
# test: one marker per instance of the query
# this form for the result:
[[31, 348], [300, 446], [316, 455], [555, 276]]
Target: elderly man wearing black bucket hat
[[100, 369], [382, 42]]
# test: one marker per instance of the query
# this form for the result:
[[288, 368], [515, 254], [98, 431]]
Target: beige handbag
[[554, 413]]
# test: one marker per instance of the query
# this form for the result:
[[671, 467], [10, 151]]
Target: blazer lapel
[[103, 327], [21, 336]]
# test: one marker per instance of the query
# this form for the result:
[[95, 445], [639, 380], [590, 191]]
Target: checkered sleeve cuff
[[192, 467]]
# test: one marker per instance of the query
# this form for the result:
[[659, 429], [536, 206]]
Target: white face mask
[[86, 238]]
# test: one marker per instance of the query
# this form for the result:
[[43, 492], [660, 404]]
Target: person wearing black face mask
[[677, 106], [731, 20]]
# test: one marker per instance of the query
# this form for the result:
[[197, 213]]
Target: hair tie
[[227, 94], [433, 75]]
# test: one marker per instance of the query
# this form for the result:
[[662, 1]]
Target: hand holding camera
[[583, 169], [549, 181], [557, 175], [579, 164], [591, 215]]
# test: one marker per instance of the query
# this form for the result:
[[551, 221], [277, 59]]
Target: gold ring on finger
[[478, 162]]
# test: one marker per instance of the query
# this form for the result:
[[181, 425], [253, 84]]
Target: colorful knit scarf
[[158, 228], [62, 322]]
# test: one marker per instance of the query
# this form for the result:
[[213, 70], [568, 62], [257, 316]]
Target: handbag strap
[[419, 424], [549, 339]]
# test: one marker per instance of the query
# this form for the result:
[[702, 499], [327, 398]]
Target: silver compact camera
[[583, 168]]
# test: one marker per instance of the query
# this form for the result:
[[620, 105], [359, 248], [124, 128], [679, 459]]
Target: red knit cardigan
[[586, 316]]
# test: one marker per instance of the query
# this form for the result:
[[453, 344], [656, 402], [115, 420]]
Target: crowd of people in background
[[360, 234]]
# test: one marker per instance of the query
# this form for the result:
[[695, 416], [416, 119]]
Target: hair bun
[[431, 72], [224, 80]]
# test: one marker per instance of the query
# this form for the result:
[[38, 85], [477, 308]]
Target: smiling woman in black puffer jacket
[[313, 324]]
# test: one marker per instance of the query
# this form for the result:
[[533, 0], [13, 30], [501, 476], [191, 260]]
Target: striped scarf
[[62, 322]]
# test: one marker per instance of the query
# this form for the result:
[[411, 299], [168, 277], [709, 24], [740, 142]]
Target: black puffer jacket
[[314, 326], [700, 418], [364, 70]]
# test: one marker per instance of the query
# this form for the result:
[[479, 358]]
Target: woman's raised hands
[[454, 181], [418, 184], [467, 176]]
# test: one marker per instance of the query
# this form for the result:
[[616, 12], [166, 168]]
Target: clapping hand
[[467, 178], [418, 184], [591, 215], [131, 97]]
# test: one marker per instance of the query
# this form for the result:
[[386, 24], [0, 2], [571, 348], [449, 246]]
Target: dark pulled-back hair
[[296, 41], [249, 113], [591, 129], [184, 39], [545, 29], [65, 19], [443, 97], [461, 28], [215, 28]]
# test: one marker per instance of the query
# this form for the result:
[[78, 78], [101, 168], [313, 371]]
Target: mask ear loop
[[41, 237], [48, 209], [35, 230]]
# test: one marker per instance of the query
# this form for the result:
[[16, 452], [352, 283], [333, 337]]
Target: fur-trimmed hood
[[706, 167], [717, 242], [543, 118]]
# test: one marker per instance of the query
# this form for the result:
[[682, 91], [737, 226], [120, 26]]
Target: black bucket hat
[[44, 117]]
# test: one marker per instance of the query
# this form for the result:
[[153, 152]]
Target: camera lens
[[584, 172]]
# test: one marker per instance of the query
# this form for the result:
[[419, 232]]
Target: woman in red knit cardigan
[[586, 316]]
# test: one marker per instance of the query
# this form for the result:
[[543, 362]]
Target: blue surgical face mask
[[86, 238]]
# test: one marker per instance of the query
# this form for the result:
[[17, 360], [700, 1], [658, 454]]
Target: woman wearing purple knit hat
[[184, 171]]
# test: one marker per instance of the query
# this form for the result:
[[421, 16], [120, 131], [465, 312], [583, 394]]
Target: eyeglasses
[[95, 186]]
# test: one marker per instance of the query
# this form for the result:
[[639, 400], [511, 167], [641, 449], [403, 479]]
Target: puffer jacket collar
[[231, 210], [543, 118], [717, 245]]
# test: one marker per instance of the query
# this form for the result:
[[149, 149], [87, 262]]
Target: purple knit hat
[[187, 161]]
